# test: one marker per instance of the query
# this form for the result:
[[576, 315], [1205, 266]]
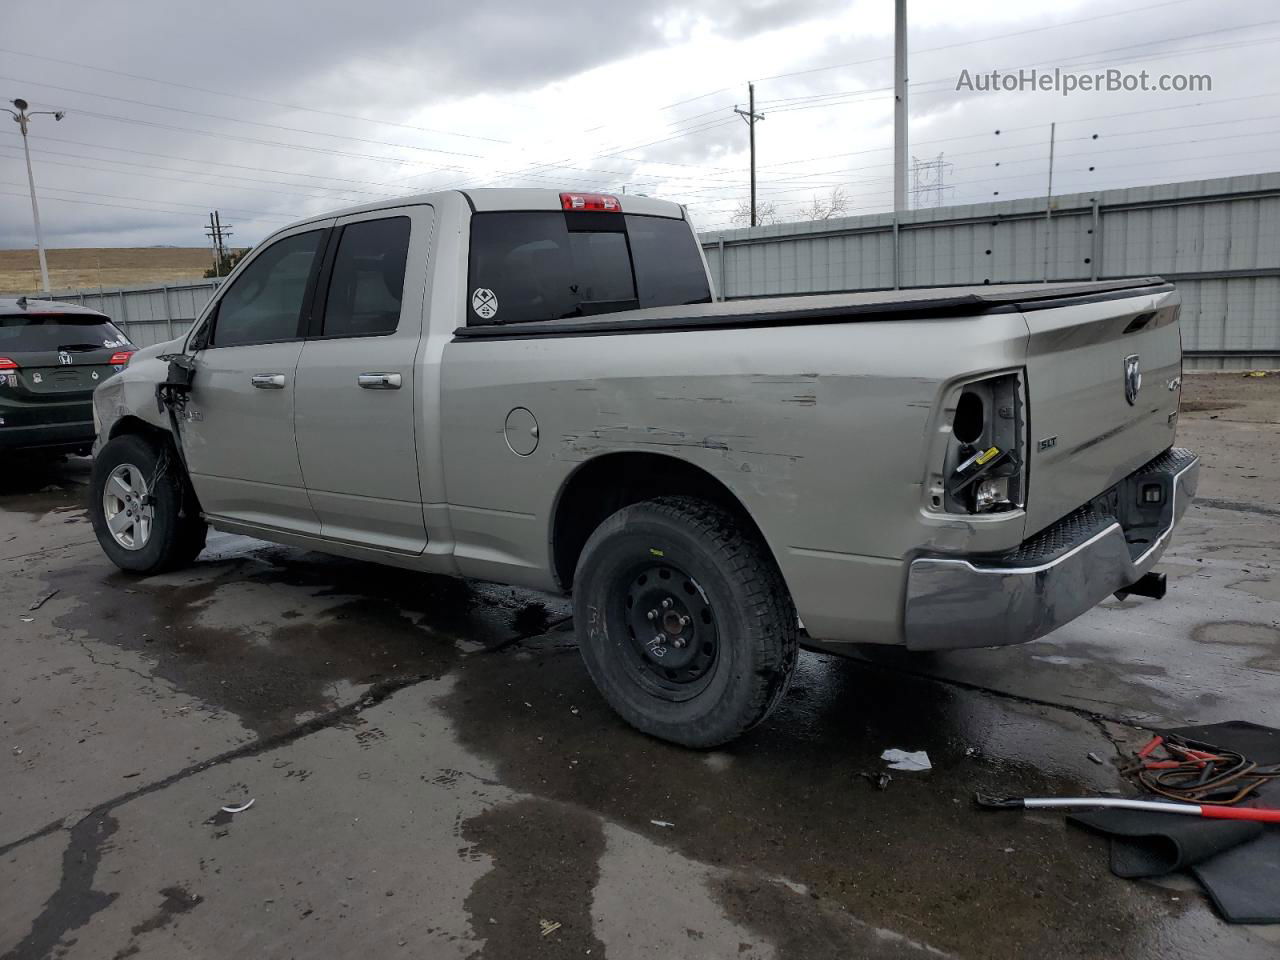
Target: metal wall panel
[[1219, 240]]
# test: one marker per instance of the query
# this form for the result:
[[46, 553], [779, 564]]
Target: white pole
[[1048, 205], [900, 105], [35, 209]]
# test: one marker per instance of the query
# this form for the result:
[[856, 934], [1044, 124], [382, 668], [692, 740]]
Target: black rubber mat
[[1153, 844], [1244, 883]]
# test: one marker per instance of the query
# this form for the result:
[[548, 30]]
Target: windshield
[[536, 265], [45, 332]]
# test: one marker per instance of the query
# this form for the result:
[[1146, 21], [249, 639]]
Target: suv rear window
[[545, 265], [51, 332]]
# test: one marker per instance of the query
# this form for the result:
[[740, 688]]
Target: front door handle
[[379, 381], [268, 381]]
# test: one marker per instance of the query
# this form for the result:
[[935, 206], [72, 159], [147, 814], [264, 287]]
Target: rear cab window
[[547, 265]]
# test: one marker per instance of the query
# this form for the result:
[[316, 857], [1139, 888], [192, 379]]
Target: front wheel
[[142, 508], [684, 621]]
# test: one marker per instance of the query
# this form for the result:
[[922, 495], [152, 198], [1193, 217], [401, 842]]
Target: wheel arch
[[133, 425], [605, 484]]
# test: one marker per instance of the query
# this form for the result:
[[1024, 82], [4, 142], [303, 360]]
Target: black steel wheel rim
[[672, 640]]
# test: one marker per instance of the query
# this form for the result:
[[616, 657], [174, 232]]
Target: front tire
[[684, 621], [142, 507]]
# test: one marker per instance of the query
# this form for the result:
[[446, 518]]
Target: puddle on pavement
[[36, 487], [789, 798], [274, 635], [1242, 633]]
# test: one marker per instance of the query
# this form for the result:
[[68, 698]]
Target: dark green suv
[[52, 355]]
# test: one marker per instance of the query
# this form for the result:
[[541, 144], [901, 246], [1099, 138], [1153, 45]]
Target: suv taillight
[[121, 356], [7, 364], [602, 202]]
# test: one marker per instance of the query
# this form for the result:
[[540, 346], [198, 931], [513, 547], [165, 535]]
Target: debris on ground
[[880, 779], [43, 600], [662, 823], [1221, 783], [1256, 373], [1094, 757], [549, 926], [241, 808], [915, 761]]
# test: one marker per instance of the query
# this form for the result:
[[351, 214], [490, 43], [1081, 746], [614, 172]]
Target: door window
[[367, 280], [265, 302]]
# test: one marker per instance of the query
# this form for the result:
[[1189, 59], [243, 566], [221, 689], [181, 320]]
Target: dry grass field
[[91, 267]]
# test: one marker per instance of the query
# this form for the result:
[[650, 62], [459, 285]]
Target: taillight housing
[[7, 364], [600, 202], [983, 458], [121, 357]]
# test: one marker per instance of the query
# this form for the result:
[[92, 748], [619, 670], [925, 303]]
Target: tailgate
[[1088, 428]]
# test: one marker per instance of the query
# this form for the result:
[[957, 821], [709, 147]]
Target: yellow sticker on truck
[[987, 455]]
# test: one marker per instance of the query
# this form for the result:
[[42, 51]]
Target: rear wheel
[[684, 621], [142, 507]]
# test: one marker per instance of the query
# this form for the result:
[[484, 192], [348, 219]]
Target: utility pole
[[900, 105], [218, 232], [751, 117], [1048, 204], [22, 117]]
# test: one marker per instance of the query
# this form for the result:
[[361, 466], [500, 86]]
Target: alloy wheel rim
[[127, 507]]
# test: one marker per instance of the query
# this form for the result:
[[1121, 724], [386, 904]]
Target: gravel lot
[[422, 788]]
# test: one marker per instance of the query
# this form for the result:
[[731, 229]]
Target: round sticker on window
[[484, 303]]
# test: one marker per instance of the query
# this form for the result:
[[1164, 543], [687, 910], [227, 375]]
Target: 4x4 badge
[[1132, 378]]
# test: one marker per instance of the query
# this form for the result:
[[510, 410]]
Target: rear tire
[[142, 507], [684, 621]]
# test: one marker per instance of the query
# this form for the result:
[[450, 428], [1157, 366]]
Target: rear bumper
[[957, 602], [48, 436]]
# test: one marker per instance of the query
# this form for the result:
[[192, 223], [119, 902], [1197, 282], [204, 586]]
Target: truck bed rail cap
[[826, 308]]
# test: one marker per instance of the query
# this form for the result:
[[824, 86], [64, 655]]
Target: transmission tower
[[928, 182]]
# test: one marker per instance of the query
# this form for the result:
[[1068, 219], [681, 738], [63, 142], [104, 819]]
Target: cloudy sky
[[271, 110]]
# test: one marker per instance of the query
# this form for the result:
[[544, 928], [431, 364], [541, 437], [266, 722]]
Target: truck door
[[238, 435], [354, 417]]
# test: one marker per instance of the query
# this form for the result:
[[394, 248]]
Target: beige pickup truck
[[540, 388]]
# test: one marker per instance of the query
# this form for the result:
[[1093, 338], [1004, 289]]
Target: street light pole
[[23, 117]]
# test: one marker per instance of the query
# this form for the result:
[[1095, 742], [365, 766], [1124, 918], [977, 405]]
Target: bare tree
[[766, 212], [835, 204]]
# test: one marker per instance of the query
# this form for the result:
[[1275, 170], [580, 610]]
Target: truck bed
[[827, 308]]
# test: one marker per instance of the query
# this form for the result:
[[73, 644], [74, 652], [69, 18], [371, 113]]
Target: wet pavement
[[433, 774]]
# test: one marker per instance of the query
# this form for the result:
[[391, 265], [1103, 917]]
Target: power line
[[245, 120], [175, 203], [92, 203], [241, 96]]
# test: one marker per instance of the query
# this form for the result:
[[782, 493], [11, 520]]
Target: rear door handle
[[268, 381], [379, 381]]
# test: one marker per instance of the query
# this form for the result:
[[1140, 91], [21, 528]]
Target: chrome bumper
[[1052, 578]]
